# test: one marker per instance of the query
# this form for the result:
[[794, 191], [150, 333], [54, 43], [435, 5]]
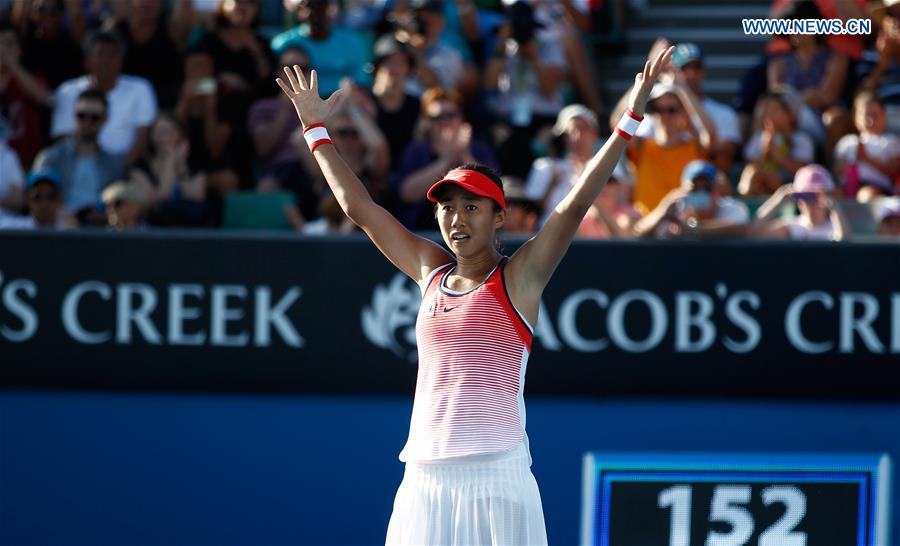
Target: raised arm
[[531, 267], [415, 256]]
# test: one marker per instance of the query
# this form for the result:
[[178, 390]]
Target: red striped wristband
[[316, 135], [629, 124]]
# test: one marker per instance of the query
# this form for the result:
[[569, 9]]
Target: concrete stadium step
[[714, 27]]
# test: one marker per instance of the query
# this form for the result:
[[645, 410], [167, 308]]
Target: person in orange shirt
[[684, 132]]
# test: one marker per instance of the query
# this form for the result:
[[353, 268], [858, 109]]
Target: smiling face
[[467, 221]]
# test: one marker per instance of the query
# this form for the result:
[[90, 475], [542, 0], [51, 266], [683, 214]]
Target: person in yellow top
[[683, 132]]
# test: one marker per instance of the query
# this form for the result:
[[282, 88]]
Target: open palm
[[305, 96], [643, 81]]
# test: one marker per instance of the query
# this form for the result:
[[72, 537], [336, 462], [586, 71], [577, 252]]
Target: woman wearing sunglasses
[[682, 133], [468, 478]]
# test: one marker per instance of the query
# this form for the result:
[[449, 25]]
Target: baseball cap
[[813, 178], [472, 181], [122, 191], [698, 168], [386, 46], [660, 89], [44, 175], [686, 53], [573, 111]]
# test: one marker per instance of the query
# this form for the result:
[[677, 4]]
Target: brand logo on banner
[[389, 321]]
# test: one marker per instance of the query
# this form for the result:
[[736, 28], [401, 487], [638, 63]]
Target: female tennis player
[[468, 479]]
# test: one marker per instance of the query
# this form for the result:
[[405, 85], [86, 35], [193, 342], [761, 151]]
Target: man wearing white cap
[[820, 219], [550, 179]]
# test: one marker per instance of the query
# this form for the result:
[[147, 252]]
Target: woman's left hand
[[643, 81]]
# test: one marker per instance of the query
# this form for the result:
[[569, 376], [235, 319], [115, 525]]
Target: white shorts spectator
[[495, 502]]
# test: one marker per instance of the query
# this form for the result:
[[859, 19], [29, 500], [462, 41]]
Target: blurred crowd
[[141, 114]]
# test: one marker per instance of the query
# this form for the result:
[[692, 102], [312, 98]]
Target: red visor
[[472, 181]]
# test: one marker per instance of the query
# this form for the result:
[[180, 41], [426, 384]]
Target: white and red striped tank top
[[473, 347]]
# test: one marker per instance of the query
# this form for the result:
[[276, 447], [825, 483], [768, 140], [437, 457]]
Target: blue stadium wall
[[118, 469], [196, 389]]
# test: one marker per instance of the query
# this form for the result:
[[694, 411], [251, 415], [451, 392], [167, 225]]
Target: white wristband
[[316, 135], [628, 125]]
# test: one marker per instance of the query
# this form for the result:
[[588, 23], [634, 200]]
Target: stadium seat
[[251, 210]]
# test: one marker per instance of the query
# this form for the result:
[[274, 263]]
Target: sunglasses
[[806, 196], [444, 116], [668, 111], [90, 116], [347, 132]]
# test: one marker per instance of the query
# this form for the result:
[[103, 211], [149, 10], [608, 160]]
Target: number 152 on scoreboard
[[735, 500]]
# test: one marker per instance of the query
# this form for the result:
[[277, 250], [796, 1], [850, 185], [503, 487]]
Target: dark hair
[[94, 93], [495, 178], [107, 37]]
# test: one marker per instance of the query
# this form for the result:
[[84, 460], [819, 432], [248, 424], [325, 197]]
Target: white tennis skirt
[[493, 503]]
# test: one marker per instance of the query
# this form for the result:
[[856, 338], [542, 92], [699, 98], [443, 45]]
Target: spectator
[[175, 196], [850, 45], [361, 144], [688, 70], [818, 73], [524, 77], [550, 179], [566, 22], [449, 143], [209, 119], [776, 150], [879, 69], [438, 63], [154, 44], [889, 217], [821, 219], [396, 109], [241, 56], [45, 206], [612, 215], [332, 220], [682, 132], [84, 166], [868, 164], [12, 179], [23, 97], [697, 209], [49, 50], [334, 52], [522, 212], [132, 102], [124, 204], [272, 122]]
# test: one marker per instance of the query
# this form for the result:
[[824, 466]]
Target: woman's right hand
[[305, 96]]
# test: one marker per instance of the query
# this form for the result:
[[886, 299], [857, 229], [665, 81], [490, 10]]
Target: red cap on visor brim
[[472, 181]]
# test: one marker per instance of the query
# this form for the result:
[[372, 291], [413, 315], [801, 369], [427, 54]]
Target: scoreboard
[[678, 499]]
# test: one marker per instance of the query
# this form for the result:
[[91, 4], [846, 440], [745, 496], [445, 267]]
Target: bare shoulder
[[524, 290]]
